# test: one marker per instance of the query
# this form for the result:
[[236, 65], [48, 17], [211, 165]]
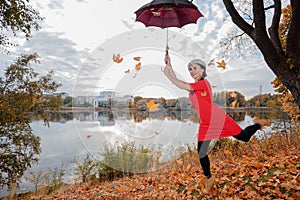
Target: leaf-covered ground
[[267, 169]]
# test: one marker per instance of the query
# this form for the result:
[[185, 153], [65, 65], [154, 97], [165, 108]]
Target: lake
[[80, 133]]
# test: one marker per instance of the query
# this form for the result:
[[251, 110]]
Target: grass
[[260, 169]]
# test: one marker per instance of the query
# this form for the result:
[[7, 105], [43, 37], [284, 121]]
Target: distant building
[[103, 99], [79, 100]]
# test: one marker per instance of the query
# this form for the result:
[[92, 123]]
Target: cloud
[[56, 4], [59, 54], [81, 1], [246, 76], [68, 38]]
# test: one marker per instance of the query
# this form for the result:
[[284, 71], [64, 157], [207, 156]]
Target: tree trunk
[[11, 191], [290, 78], [285, 65]]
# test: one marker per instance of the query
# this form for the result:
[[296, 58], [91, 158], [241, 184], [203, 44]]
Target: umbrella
[[168, 13]]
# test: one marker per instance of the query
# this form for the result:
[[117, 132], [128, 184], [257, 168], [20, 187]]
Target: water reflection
[[81, 133], [107, 118]]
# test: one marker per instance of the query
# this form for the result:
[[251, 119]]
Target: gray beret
[[199, 62]]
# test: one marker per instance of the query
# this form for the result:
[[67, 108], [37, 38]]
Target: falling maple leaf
[[152, 106], [138, 66], [137, 58], [221, 64], [211, 62], [117, 58], [89, 136]]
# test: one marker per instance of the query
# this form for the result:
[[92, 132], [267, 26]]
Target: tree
[[23, 93], [284, 63], [287, 100], [17, 16]]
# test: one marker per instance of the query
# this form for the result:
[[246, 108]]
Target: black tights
[[244, 136]]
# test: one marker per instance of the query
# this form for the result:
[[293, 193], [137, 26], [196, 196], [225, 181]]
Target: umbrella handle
[[167, 52]]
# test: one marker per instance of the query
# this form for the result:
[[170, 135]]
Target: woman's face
[[196, 71]]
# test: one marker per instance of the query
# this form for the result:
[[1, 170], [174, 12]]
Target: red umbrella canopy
[[168, 13]]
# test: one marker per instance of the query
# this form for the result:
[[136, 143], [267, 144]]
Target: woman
[[214, 122]]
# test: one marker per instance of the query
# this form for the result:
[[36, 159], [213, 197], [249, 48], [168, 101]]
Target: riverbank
[[260, 169]]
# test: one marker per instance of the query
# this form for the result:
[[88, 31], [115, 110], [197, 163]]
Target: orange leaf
[[117, 58], [136, 119], [152, 106], [138, 66], [221, 64], [137, 58], [228, 153], [211, 62], [121, 189]]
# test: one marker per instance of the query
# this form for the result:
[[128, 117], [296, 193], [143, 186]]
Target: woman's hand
[[168, 71], [167, 60], [170, 74]]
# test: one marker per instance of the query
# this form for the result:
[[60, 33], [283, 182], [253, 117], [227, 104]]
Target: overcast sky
[[79, 37]]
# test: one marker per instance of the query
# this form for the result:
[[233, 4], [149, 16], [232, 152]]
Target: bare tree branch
[[237, 19], [269, 7]]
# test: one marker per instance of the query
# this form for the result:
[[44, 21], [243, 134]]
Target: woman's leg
[[204, 160], [247, 133]]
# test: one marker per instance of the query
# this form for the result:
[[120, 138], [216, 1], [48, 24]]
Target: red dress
[[214, 122]]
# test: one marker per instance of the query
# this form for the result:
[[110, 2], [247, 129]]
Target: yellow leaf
[[203, 94]]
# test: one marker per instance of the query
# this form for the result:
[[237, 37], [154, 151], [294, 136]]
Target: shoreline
[[99, 109]]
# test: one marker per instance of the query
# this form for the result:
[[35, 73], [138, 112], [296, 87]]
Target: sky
[[79, 37]]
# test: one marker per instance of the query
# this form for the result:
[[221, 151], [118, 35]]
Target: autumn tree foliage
[[22, 95], [17, 16], [287, 100], [282, 56]]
